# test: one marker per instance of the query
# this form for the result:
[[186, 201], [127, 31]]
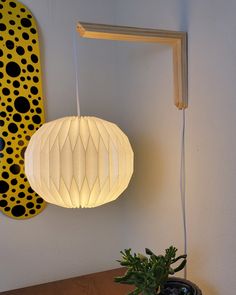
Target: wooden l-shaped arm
[[178, 41]]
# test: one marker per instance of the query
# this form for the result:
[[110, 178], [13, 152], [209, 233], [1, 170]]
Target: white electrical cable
[[182, 159], [76, 70], [183, 186]]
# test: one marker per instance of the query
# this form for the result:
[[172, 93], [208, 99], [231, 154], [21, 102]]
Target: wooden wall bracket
[[177, 40]]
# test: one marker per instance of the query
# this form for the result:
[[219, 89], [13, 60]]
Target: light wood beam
[[178, 41]]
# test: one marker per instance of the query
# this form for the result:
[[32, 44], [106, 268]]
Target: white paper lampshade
[[79, 162]]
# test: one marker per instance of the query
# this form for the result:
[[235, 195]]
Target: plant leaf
[[181, 266]]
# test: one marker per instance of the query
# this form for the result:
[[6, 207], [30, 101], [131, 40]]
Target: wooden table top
[[100, 283]]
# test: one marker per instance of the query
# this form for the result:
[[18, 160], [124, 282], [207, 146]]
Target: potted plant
[[150, 274]]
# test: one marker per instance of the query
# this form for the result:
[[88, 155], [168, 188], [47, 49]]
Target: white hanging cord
[[183, 186], [75, 36]]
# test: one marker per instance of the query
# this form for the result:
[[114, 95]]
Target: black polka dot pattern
[[13, 69], [18, 211], [21, 112], [22, 104], [4, 186]]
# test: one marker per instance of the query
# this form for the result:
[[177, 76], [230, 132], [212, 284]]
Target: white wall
[[61, 243], [138, 95], [211, 142], [152, 207]]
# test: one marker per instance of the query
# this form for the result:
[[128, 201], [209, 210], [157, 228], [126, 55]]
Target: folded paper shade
[[79, 162]]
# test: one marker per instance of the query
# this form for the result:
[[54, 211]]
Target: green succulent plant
[[149, 273]]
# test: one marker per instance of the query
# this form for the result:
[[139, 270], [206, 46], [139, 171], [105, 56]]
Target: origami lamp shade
[[79, 162]]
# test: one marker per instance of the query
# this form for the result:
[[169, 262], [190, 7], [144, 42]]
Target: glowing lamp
[[79, 162]]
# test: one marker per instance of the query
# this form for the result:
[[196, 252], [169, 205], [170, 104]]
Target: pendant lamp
[[85, 161], [79, 162]]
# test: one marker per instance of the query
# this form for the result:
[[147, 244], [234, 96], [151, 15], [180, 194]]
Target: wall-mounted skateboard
[[21, 107]]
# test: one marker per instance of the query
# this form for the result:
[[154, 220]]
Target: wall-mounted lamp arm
[[178, 41]]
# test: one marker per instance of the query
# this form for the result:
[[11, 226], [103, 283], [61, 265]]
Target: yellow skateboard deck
[[21, 107]]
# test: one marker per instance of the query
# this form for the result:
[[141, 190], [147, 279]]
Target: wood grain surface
[[101, 283], [176, 39]]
